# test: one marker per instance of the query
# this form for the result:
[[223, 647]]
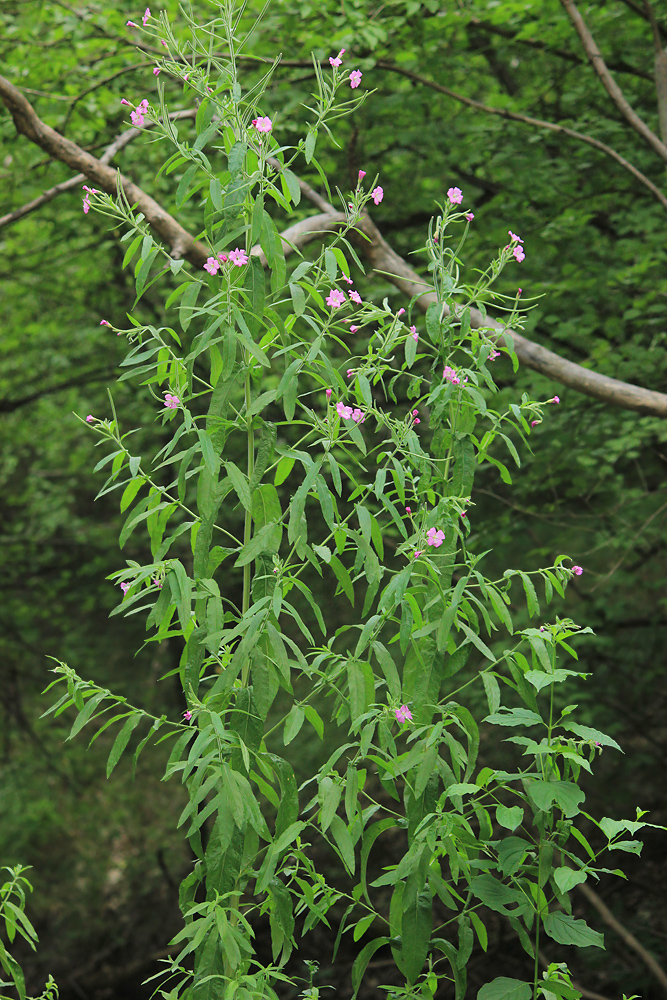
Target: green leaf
[[565, 794], [362, 960], [564, 929], [122, 740], [293, 723], [509, 817], [503, 988], [514, 717], [416, 925], [343, 840], [311, 140], [567, 878]]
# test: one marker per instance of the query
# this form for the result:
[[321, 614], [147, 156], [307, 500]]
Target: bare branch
[[107, 156], [625, 935], [103, 176], [660, 70], [609, 84], [537, 123], [381, 256]]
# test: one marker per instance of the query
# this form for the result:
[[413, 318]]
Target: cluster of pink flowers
[[518, 252], [493, 355], [171, 402], [336, 299], [435, 538], [449, 375], [336, 60], [355, 78], [413, 333], [236, 257], [138, 115], [455, 195], [347, 413], [403, 714], [86, 201], [262, 124]]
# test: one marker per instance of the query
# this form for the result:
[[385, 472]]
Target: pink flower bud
[[90, 418], [362, 174], [534, 423], [328, 393], [408, 510], [156, 71], [104, 322], [400, 313], [353, 329], [554, 399], [131, 24], [123, 101]]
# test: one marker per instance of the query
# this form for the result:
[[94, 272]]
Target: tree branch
[[625, 935], [182, 244], [660, 70], [107, 156], [536, 122], [609, 84], [381, 256]]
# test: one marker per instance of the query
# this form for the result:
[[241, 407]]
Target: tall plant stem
[[247, 529]]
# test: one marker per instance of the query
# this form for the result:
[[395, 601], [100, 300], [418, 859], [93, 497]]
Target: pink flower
[[493, 355], [345, 278], [358, 416], [362, 174], [125, 586], [413, 331], [355, 296], [513, 237], [415, 413], [104, 322], [353, 329], [212, 265], [435, 538], [328, 393], [455, 196], [187, 716], [577, 570], [464, 514], [262, 124], [171, 402], [449, 375], [355, 78], [350, 372], [518, 253], [417, 420], [519, 291], [90, 190], [408, 510], [400, 313], [418, 553], [138, 116], [123, 101], [158, 583], [90, 418], [131, 24], [534, 423], [147, 14], [222, 257], [335, 298], [377, 195], [238, 257], [554, 399], [336, 60], [162, 42], [156, 71], [469, 216], [403, 714], [86, 205], [343, 411]]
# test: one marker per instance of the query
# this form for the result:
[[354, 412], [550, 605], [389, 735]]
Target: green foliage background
[[106, 856]]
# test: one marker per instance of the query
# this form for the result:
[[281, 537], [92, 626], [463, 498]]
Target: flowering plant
[[382, 512]]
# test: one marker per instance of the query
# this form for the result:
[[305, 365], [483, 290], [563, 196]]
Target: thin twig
[[536, 122], [625, 935], [609, 84]]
